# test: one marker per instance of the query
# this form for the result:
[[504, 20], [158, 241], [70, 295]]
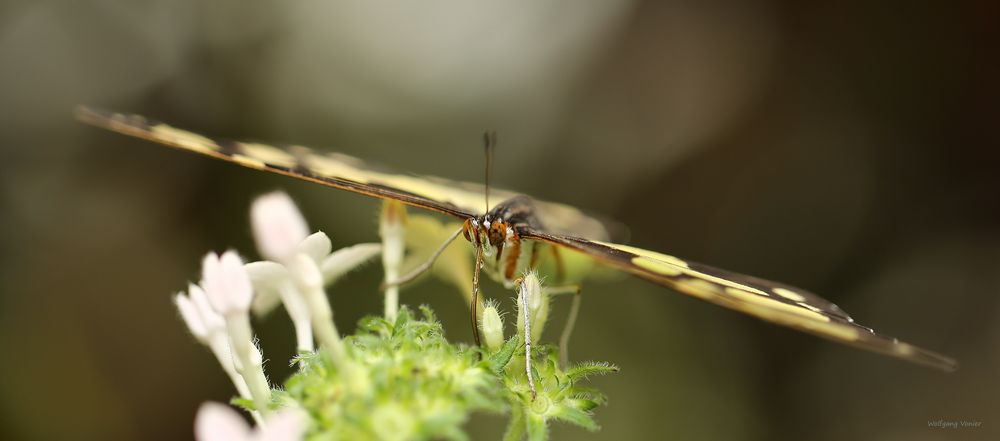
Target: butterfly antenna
[[489, 144]]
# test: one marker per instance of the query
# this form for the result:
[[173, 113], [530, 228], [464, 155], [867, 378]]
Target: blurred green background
[[848, 148]]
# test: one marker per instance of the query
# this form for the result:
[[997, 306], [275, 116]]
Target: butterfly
[[514, 221]]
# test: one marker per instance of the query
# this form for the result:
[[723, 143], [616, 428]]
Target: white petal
[[218, 422], [209, 317], [344, 260], [305, 272], [278, 226], [189, 312], [316, 246], [237, 280], [264, 273], [266, 277], [226, 283], [214, 283], [286, 425]]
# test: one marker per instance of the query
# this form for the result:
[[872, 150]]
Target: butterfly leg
[[574, 311], [533, 263], [475, 295], [512, 256], [423, 267], [560, 265], [511, 267], [527, 336]]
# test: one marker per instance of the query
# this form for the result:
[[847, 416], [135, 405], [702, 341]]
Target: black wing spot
[[227, 147]]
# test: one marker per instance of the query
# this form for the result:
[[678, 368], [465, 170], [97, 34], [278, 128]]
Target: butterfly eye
[[465, 230]]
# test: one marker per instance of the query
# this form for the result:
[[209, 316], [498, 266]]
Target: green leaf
[[587, 393], [539, 380], [516, 429], [245, 404], [499, 360], [536, 428], [374, 324], [590, 368], [582, 404], [402, 317], [575, 417], [428, 314]]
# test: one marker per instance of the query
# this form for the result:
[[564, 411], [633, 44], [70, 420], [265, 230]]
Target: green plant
[[396, 377]]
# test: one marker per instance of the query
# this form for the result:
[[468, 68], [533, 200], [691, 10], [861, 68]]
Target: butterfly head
[[487, 232]]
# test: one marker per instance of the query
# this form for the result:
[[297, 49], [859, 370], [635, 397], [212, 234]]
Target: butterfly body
[[505, 228]]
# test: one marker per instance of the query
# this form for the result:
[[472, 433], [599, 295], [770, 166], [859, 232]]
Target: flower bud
[[530, 292], [227, 283], [278, 226], [492, 326]]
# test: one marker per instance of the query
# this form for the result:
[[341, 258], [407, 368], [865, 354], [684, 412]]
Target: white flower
[[298, 267], [218, 422], [210, 329], [226, 282], [267, 276], [278, 226], [227, 286], [273, 283]]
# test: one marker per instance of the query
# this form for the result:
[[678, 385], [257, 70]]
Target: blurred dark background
[[848, 148]]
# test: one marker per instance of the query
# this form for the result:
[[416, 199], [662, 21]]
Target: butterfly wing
[[460, 199], [341, 171], [774, 302], [771, 301]]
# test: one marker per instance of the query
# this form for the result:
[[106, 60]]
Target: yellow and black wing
[[771, 301], [460, 199], [774, 302]]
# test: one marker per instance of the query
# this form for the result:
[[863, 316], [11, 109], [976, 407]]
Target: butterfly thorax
[[500, 228], [501, 224]]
